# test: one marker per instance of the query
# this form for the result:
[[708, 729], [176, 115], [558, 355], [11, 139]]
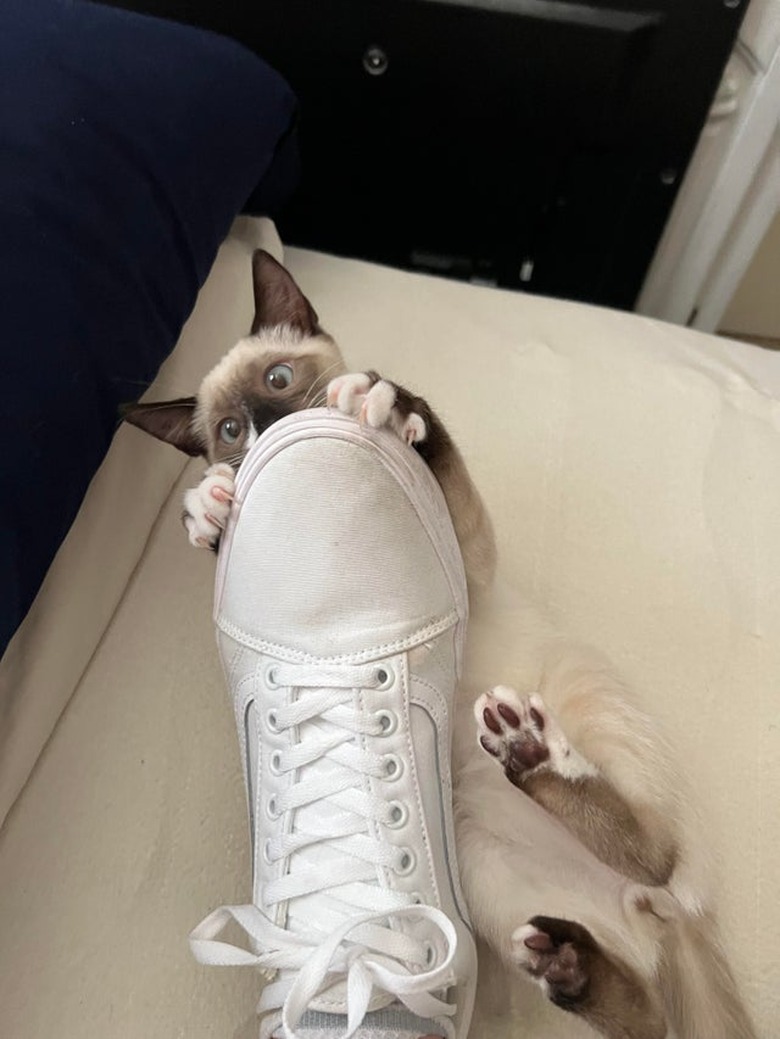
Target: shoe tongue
[[318, 914], [305, 913], [328, 556]]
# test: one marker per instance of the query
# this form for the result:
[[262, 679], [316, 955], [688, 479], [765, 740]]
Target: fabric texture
[[127, 147]]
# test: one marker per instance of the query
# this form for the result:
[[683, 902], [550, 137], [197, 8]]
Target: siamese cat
[[579, 854]]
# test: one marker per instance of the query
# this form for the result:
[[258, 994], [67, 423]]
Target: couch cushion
[[631, 468], [129, 145]]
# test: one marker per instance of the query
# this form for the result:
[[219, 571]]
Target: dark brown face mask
[[269, 394]]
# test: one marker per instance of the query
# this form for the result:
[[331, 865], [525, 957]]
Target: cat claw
[[374, 403], [220, 494], [377, 407], [346, 392], [207, 506], [414, 430]]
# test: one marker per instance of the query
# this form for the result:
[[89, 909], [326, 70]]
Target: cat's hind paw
[[207, 506], [556, 954], [377, 403]]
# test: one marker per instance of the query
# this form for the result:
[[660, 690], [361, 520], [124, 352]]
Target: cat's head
[[283, 365]]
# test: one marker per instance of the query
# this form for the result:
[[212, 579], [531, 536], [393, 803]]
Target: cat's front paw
[[207, 506], [377, 403], [523, 736], [511, 728]]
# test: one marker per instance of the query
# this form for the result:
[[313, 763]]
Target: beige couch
[[633, 470]]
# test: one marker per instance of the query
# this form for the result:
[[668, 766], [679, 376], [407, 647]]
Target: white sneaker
[[341, 610]]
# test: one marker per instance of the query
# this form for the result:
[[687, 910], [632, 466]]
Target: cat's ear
[[653, 903], [278, 300], [168, 420]]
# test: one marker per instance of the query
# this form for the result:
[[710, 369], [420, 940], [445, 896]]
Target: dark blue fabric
[[127, 146]]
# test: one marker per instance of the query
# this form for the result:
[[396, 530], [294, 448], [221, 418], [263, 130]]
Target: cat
[[579, 852]]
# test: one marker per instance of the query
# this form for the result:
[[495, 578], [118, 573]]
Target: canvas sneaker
[[341, 610]]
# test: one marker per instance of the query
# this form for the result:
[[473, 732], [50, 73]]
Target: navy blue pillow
[[127, 147]]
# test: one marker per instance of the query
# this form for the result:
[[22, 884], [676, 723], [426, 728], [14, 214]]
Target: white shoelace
[[337, 917]]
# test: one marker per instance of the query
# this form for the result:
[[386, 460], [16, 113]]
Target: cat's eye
[[229, 430], [279, 377]]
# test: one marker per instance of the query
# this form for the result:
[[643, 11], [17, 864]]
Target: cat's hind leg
[[518, 862], [577, 975], [522, 735]]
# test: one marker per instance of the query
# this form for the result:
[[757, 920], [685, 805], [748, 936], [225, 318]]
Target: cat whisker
[[316, 382], [316, 385], [234, 460]]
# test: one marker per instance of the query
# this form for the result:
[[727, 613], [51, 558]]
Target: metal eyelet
[[394, 767], [406, 863], [270, 721], [270, 808], [384, 677], [270, 677], [398, 815], [388, 722], [275, 763], [430, 954], [267, 852]]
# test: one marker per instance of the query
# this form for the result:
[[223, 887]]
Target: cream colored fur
[[517, 861]]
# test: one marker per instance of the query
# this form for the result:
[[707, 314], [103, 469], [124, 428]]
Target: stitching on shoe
[[237, 633], [436, 653], [423, 833], [235, 660], [244, 697], [439, 716]]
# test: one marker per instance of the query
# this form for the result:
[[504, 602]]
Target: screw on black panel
[[375, 61], [668, 176]]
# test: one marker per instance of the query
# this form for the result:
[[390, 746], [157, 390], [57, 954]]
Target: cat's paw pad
[[555, 953], [375, 402], [513, 729], [207, 506], [523, 736]]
